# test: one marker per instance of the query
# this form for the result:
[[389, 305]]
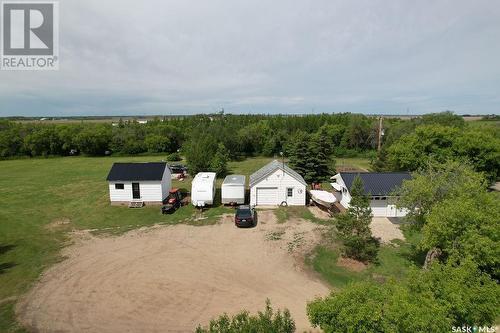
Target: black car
[[245, 216]]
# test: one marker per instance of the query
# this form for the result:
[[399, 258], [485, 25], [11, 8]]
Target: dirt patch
[[386, 231], [296, 236], [351, 264], [319, 213], [172, 278], [58, 224]]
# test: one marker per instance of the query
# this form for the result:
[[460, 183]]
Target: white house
[[203, 189], [277, 184], [139, 182], [378, 185]]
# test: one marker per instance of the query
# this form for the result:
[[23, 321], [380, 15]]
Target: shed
[[277, 184], [203, 189], [143, 182], [233, 190], [379, 186]]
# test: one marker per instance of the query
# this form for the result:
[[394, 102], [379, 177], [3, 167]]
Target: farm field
[[43, 199]]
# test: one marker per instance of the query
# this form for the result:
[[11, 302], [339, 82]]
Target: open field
[[112, 119], [44, 199]]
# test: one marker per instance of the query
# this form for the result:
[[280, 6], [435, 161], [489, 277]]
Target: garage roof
[[270, 168], [137, 171], [377, 183]]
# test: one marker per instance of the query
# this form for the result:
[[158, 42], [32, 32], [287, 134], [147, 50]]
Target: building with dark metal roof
[[377, 183], [137, 171], [137, 184], [379, 186]]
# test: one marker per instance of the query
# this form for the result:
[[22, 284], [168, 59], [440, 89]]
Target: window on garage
[[119, 186], [289, 192]]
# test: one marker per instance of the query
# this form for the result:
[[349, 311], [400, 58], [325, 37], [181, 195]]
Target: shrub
[[263, 322], [174, 157]]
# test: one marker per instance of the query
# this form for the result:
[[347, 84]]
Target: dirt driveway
[[384, 229], [172, 278]]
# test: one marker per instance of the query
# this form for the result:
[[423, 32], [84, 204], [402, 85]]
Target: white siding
[[280, 181], [149, 190], [346, 196], [166, 183], [392, 211]]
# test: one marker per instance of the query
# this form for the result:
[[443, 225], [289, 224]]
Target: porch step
[[136, 204]]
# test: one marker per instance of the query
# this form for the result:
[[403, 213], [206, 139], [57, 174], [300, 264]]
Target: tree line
[[310, 142]]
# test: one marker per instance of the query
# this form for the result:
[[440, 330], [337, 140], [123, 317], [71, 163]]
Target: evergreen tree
[[298, 152], [354, 225], [310, 156], [219, 161]]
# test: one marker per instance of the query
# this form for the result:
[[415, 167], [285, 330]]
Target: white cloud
[[259, 56]]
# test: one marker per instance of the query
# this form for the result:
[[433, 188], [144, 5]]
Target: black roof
[[377, 183], [137, 171]]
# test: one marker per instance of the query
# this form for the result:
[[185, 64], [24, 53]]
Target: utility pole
[[380, 122]]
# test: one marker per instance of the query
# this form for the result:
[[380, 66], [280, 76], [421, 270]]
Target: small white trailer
[[203, 189], [233, 190]]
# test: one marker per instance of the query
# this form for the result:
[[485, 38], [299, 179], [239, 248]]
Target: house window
[[119, 186], [289, 192]]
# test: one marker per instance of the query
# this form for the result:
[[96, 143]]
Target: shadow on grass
[[6, 266], [6, 248], [414, 255]]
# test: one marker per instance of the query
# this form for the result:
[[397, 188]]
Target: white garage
[[379, 207], [277, 184], [379, 186]]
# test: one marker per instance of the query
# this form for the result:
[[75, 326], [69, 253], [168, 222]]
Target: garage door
[[379, 207], [267, 196]]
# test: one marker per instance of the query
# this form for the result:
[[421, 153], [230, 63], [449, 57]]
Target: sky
[[121, 57]]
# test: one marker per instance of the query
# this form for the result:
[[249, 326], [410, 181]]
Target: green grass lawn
[[353, 163], [38, 192], [394, 261]]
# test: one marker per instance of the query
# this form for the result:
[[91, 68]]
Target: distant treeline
[[406, 144]]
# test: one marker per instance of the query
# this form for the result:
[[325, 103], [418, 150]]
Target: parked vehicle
[[246, 216], [233, 190], [203, 189], [172, 202], [178, 171]]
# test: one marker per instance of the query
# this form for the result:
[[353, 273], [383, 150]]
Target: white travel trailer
[[233, 190], [203, 189]]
